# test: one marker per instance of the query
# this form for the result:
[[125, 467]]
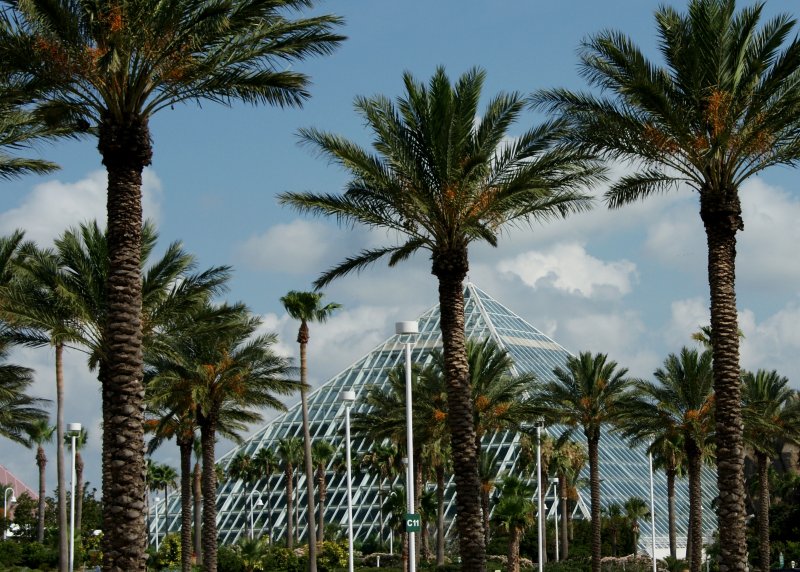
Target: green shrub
[[10, 553], [281, 559], [37, 556], [228, 559], [331, 555]]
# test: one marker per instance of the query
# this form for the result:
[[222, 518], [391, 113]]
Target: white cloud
[[773, 343], [568, 267], [53, 206], [686, 318], [295, 247]]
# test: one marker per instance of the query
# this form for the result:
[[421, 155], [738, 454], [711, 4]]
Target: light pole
[[259, 504], [539, 424], [409, 329], [74, 430], [158, 500], [5, 508], [652, 513], [555, 506], [348, 396]]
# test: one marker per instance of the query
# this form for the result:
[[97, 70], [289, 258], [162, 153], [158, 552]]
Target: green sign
[[412, 522]]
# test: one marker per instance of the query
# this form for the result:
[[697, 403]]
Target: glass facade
[[624, 469]]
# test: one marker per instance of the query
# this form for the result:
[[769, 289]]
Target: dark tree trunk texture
[[208, 429], [41, 462], [673, 537], [514, 535], [311, 533], [124, 143], [562, 493], [79, 486], [63, 525], [721, 213], [762, 462], [440, 515], [185, 447], [594, 483], [323, 493], [198, 514], [695, 462], [450, 267], [289, 508]]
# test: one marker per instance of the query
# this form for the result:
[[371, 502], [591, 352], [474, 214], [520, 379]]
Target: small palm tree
[[567, 461], [440, 180], [81, 440], [307, 307], [720, 109], [488, 469], [669, 454], [290, 451], [514, 513], [108, 68], [265, 463], [635, 510], [322, 453], [771, 413], [680, 405], [612, 515], [382, 460], [588, 394], [39, 433]]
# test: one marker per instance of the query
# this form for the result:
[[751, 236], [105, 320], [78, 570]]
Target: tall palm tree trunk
[[485, 513], [41, 462], [198, 514], [207, 436], [562, 493], [694, 461], [323, 493], [450, 267], [302, 338], [185, 447], [722, 219], [289, 506], [124, 143], [594, 485], [79, 486], [440, 515], [673, 537], [762, 463], [63, 529]]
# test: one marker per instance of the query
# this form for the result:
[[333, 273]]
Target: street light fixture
[[5, 508], [348, 397], [554, 480], [539, 424], [74, 429], [409, 329]]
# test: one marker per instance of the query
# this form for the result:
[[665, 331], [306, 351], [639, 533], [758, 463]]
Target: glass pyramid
[[624, 470]]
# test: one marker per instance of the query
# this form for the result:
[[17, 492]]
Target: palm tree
[[722, 109], [427, 509], [197, 497], [669, 454], [588, 394], [488, 469], [441, 180], [437, 457], [567, 461], [112, 66], [307, 307], [635, 510], [382, 460], [514, 513], [290, 452], [681, 404], [322, 453], [395, 506], [228, 372], [266, 462], [612, 514], [39, 433], [771, 413], [18, 410]]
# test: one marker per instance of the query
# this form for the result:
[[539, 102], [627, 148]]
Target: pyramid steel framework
[[624, 469]]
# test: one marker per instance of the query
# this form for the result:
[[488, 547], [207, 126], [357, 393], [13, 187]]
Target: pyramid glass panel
[[624, 469]]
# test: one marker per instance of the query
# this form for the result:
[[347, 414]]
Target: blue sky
[[631, 282]]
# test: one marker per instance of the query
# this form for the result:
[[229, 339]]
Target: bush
[[371, 560], [331, 555], [169, 553], [228, 560], [36, 555], [10, 553], [281, 559]]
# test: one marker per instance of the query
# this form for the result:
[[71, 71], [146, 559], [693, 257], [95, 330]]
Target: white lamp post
[[652, 514], [74, 430], [409, 329], [5, 508], [555, 506], [158, 500], [348, 397], [259, 504], [538, 424]]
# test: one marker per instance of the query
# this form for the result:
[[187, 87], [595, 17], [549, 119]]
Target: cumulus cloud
[[568, 267], [773, 343], [53, 206], [686, 317], [296, 247]]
